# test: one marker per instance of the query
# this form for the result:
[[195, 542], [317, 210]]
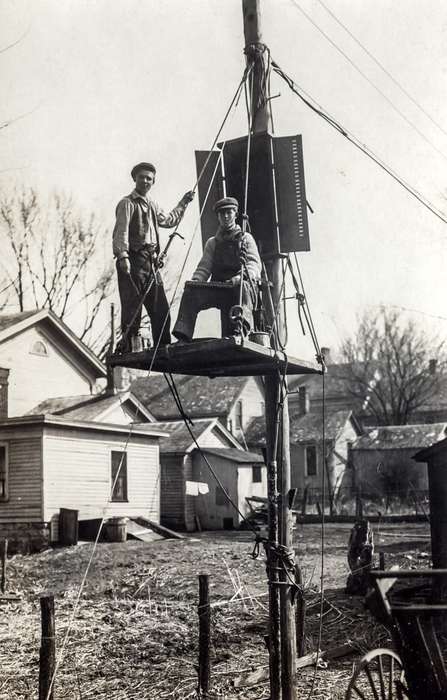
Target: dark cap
[[226, 202], [142, 166]]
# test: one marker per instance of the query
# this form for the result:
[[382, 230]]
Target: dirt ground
[[133, 633]]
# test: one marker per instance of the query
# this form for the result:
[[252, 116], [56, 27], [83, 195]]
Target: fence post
[[204, 635], [304, 501], [47, 660], [4, 565], [382, 561], [300, 613]]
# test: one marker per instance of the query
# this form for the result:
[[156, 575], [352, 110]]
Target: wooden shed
[[383, 458], [48, 463], [181, 462], [242, 475]]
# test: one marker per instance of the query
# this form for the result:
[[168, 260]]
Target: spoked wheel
[[378, 676]]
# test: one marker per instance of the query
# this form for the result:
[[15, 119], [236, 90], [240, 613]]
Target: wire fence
[[351, 501]]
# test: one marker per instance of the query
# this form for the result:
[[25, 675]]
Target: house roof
[[12, 324], [180, 440], [335, 382], [393, 437], [200, 396], [150, 430], [90, 407], [239, 456], [9, 320], [304, 427]]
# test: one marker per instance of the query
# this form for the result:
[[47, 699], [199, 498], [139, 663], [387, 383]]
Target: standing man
[[136, 247], [224, 256]]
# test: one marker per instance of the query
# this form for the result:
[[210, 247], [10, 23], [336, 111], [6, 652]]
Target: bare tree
[[389, 367], [53, 257]]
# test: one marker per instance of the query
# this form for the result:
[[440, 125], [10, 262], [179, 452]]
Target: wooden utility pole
[[281, 567]]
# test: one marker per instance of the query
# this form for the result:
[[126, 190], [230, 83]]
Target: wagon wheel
[[378, 676]]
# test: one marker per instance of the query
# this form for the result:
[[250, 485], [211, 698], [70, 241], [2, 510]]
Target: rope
[[84, 578], [322, 539], [234, 103], [86, 572], [159, 262]]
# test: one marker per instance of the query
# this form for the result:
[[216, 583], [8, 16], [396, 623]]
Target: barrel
[[68, 526], [116, 529]]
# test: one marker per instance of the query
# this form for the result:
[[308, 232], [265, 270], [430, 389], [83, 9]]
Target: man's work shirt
[[137, 221]]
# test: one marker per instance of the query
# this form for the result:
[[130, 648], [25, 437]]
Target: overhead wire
[[320, 111], [383, 68], [354, 65]]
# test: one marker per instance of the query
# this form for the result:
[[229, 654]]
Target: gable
[[35, 376]]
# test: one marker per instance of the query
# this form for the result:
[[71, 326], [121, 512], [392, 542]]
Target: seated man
[[224, 255]]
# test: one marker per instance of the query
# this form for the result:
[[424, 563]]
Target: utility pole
[[280, 556]]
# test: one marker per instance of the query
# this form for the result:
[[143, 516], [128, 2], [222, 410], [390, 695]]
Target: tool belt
[[145, 257]]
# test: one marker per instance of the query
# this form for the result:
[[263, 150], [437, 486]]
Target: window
[[221, 499], [119, 476], [256, 474], [238, 416], [3, 472], [311, 460], [39, 348]]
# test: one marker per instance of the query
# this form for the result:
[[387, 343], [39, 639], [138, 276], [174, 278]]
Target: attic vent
[[39, 348]]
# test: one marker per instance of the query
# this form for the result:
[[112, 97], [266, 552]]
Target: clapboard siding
[[120, 416], [25, 481], [247, 487], [213, 438], [212, 515], [34, 378], [252, 397], [77, 474]]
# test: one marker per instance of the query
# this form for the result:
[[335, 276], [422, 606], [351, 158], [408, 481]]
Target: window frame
[[239, 415], [306, 461], [122, 477], [4, 492], [36, 352]]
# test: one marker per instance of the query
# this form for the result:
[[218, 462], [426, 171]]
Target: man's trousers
[[131, 289], [196, 299]]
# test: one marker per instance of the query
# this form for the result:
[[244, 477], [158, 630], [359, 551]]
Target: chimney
[[111, 387], [4, 375], [326, 352], [303, 400], [432, 364]]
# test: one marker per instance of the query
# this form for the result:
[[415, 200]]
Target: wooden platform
[[215, 357]]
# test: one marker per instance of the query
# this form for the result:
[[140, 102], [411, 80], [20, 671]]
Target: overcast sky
[[105, 84]]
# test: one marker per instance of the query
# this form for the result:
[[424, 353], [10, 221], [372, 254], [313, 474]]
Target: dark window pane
[[311, 460], [3, 472], [119, 476], [257, 474]]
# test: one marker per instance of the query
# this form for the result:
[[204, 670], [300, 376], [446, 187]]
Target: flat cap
[[226, 202], [141, 166]]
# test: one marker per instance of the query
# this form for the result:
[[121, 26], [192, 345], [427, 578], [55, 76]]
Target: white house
[[99, 469]]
